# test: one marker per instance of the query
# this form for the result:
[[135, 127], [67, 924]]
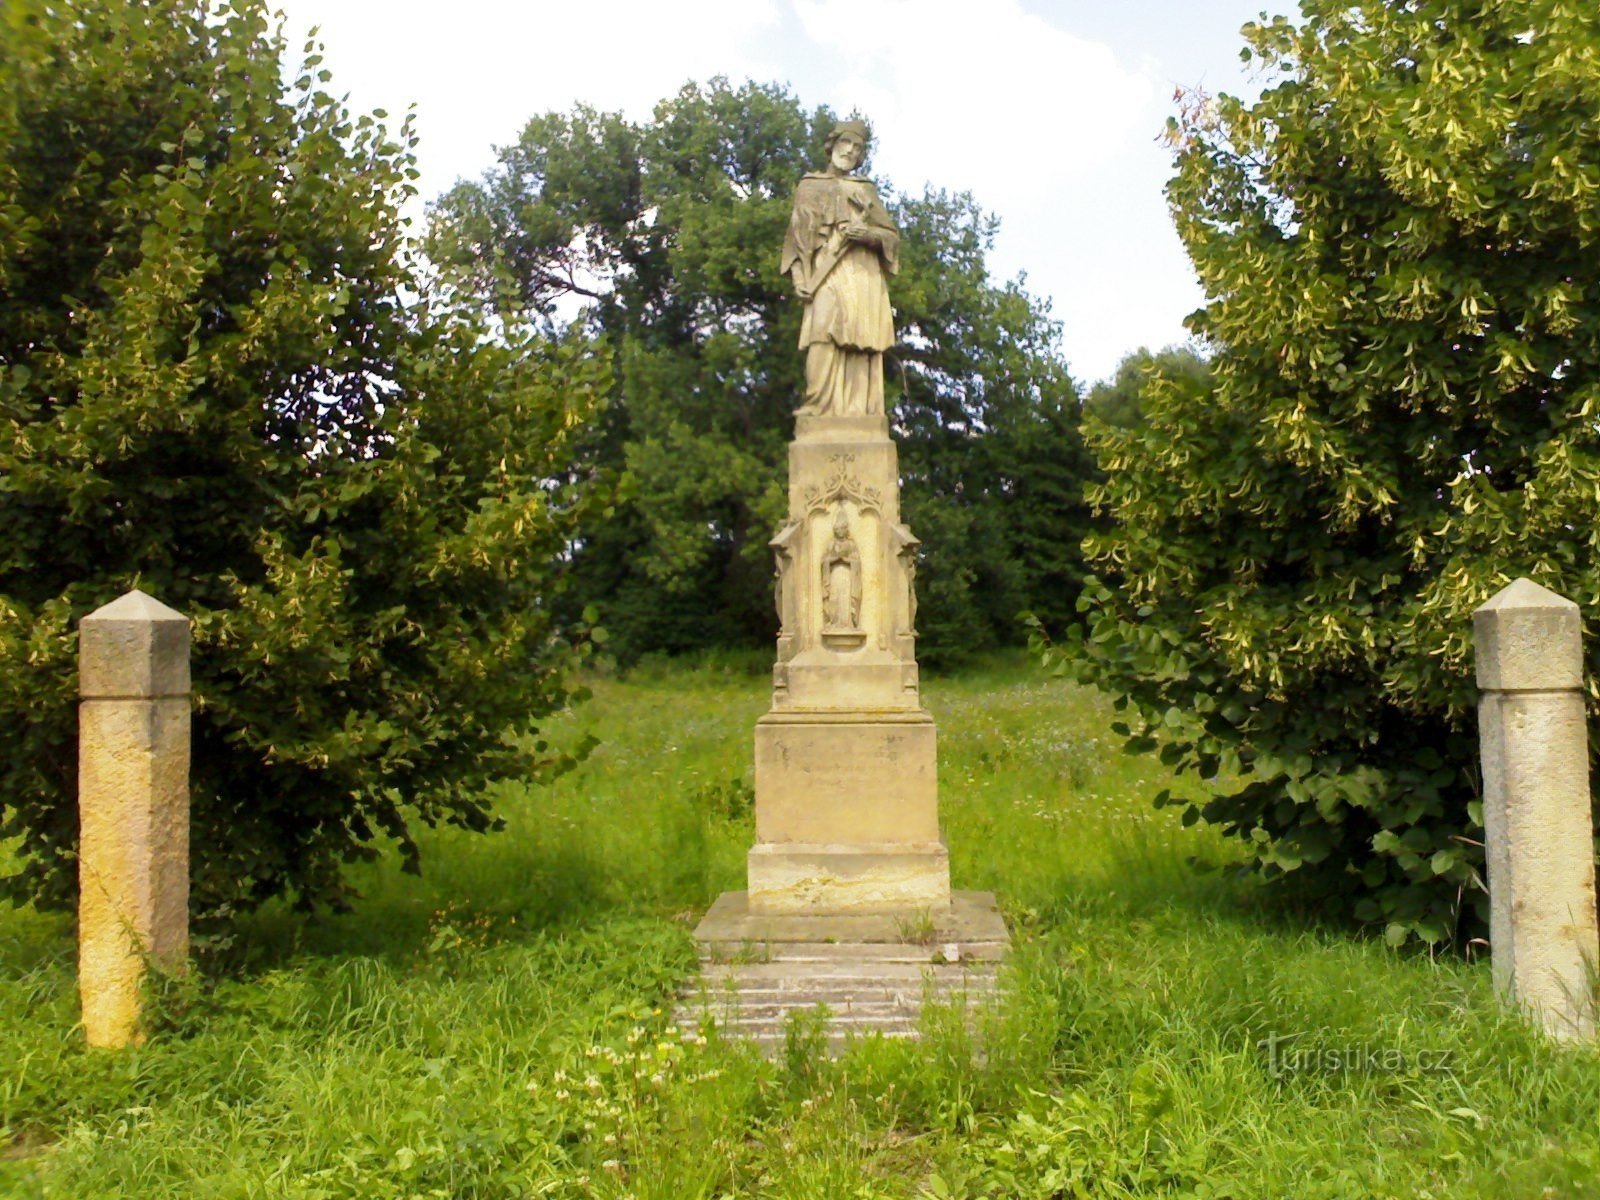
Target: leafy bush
[[216, 383], [1398, 242]]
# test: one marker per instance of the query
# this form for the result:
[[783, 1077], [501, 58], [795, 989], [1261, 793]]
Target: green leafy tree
[[664, 236], [1117, 401], [213, 387], [1398, 244], [991, 456]]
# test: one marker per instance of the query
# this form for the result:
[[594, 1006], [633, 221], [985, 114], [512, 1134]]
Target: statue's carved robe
[[841, 585], [848, 322]]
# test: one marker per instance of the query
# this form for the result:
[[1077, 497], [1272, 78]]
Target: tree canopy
[[662, 237], [1117, 400], [1397, 243], [216, 384]]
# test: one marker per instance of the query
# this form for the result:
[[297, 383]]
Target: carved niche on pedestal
[[841, 588], [843, 518], [784, 548]]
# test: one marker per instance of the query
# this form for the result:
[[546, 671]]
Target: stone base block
[[867, 679], [873, 976], [847, 778], [891, 877], [970, 929], [835, 427]]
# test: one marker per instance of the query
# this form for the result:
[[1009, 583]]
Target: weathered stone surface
[[1528, 638], [856, 974], [866, 662], [799, 877], [1543, 933], [133, 801], [134, 646], [870, 779], [847, 809], [809, 428], [970, 927]]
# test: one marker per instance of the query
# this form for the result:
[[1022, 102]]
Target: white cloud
[[478, 69], [985, 97], [1051, 131]]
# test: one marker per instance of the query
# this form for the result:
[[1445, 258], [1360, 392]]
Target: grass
[[497, 1029]]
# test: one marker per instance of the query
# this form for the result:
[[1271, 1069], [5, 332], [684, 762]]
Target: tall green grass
[[499, 1027]]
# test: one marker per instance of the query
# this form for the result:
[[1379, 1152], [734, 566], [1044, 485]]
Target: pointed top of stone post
[[1528, 638], [134, 646], [1525, 593], [136, 606]]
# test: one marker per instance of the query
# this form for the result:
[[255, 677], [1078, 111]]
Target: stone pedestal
[[847, 802]]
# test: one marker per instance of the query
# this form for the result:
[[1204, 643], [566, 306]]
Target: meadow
[[499, 1027]]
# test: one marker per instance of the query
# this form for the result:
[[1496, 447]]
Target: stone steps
[[837, 995], [870, 972], [863, 994], [759, 972], [955, 952]]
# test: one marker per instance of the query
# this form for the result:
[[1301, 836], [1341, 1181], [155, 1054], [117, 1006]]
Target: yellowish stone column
[[1536, 809], [133, 808]]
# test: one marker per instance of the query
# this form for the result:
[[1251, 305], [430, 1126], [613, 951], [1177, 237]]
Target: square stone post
[[1536, 808], [133, 807]]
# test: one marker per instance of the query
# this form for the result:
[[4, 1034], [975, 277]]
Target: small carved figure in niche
[[909, 557], [841, 579], [840, 246], [905, 548], [782, 554]]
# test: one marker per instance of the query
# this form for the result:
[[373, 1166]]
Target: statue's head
[[841, 525], [846, 145]]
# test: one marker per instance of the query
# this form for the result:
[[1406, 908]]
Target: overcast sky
[[1048, 111]]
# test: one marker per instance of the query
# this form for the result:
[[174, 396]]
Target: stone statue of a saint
[[840, 248], [841, 579]]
